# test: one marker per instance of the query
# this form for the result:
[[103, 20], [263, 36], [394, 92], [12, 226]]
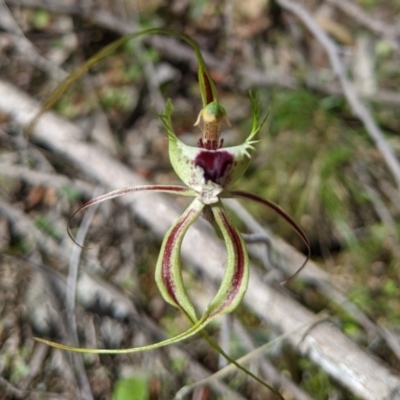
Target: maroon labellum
[[215, 164]]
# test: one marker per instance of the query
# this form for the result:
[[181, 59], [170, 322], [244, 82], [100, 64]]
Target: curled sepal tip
[[284, 215], [174, 189]]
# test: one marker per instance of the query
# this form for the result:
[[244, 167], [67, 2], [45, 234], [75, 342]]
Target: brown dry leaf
[[4, 234], [250, 9], [40, 194], [336, 30], [250, 17]]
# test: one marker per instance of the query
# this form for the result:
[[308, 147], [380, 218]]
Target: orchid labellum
[[209, 172]]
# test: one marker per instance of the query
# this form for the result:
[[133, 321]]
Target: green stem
[[207, 86]]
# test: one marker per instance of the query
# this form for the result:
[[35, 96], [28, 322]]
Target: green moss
[[318, 383], [131, 388]]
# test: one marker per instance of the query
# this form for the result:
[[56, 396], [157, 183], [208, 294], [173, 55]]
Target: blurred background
[[316, 158]]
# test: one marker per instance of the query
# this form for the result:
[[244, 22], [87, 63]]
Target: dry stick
[[147, 65], [25, 47], [9, 391], [38, 178], [228, 12], [325, 344], [389, 191], [225, 338], [71, 296], [358, 107], [379, 205], [35, 366], [272, 374], [25, 227], [75, 259], [374, 24]]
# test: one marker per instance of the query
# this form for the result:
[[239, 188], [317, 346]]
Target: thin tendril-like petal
[[284, 215], [181, 190], [169, 270], [182, 336]]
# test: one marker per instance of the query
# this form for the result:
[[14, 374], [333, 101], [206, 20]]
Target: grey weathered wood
[[323, 343]]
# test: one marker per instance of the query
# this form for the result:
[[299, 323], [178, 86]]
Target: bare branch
[[374, 24], [25, 47], [70, 300]]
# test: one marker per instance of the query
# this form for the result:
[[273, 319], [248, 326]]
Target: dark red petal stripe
[[207, 84], [239, 258], [169, 247]]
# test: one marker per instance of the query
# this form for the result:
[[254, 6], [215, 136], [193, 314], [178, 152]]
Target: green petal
[[236, 277], [169, 270]]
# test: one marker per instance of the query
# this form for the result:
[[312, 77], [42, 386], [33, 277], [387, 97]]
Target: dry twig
[[390, 33], [25, 47]]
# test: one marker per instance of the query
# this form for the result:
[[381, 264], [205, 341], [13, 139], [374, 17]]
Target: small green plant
[[131, 388], [209, 172]]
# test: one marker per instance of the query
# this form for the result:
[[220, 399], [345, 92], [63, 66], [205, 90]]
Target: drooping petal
[[236, 276], [168, 270], [176, 189], [280, 212]]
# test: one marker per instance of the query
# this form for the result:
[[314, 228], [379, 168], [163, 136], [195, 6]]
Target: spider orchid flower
[[209, 171]]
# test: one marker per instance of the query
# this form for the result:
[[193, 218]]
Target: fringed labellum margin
[[209, 171]]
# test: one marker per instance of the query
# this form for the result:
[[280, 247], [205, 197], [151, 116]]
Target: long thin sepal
[[174, 189], [281, 213], [169, 270], [207, 86], [190, 332]]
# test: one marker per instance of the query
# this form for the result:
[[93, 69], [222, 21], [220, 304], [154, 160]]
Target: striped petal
[[236, 276], [168, 270]]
